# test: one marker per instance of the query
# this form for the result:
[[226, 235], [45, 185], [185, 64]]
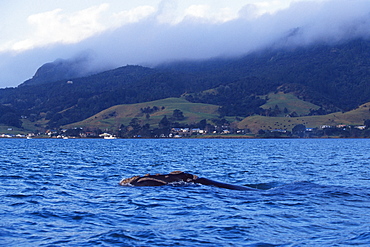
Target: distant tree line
[[9, 117], [301, 131], [237, 98], [136, 129], [150, 110]]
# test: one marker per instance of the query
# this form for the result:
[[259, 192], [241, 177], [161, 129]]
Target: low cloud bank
[[150, 41]]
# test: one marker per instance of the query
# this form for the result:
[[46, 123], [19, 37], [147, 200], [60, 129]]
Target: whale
[[177, 177]]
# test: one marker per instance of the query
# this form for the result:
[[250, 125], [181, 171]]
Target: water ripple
[[66, 193]]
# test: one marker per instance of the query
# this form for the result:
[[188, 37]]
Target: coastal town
[[225, 131]]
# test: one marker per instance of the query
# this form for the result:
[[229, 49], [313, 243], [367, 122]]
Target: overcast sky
[[114, 33]]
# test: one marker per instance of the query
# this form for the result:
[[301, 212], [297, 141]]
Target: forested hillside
[[333, 77]]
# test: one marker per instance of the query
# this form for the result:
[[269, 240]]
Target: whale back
[[159, 179], [176, 176]]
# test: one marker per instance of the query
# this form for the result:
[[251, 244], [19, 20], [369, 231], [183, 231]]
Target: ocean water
[[66, 193]]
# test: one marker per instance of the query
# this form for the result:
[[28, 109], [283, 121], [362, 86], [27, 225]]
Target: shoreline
[[188, 138]]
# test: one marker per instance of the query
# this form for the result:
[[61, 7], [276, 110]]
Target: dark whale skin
[[176, 176], [206, 181]]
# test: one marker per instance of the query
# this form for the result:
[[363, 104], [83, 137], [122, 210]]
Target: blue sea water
[[66, 193]]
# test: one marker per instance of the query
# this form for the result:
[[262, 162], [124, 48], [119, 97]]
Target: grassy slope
[[27, 127], [354, 117], [10, 130], [113, 117], [289, 101]]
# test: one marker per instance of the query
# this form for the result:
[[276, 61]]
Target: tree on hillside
[[277, 110], [11, 119], [367, 123], [178, 115], [73, 132], [203, 124], [135, 124], [164, 123], [299, 130]]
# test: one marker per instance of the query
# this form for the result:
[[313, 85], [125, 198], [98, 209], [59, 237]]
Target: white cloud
[[168, 12], [132, 15], [174, 30], [248, 12], [272, 6], [199, 11], [206, 13], [58, 27]]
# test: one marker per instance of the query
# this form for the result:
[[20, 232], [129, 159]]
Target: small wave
[[33, 202], [114, 237], [277, 157], [18, 204], [45, 214], [63, 193], [77, 215], [10, 177], [265, 186], [263, 245], [323, 191], [298, 185], [18, 196], [362, 238], [67, 216], [337, 194]]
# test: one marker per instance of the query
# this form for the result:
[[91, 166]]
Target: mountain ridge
[[334, 77]]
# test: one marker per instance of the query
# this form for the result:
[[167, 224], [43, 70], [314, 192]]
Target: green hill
[[116, 116], [113, 117], [290, 103], [354, 117]]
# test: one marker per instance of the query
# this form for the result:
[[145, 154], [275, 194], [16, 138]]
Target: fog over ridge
[[150, 42]]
